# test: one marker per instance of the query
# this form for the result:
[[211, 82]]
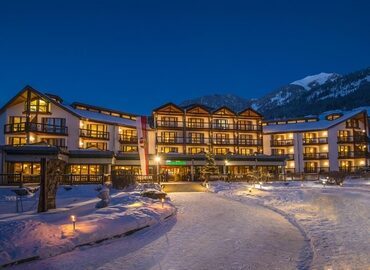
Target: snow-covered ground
[[209, 232], [335, 219], [27, 235]]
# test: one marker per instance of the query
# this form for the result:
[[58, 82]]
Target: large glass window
[[86, 169], [38, 105], [27, 168], [196, 123], [196, 137], [60, 142], [55, 125], [96, 145], [17, 140], [18, 123]]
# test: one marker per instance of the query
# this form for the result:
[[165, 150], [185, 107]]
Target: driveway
[[210, 232]]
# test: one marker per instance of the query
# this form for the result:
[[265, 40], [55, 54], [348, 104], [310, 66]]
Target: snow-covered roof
[[321, 124], [100, 117]]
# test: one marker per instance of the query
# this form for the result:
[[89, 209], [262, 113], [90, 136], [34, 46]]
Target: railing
[[353, 139], [220, 141], [351, 168], [316, 169], [197, 125], [315, 155], [75, 179], [169, 124], [287, 156], [18, 179], [321, 140], [35, 127], [353, 154], [289, 142], [250, 142], [128, 139], [94, 134], [175, 140], [248, 127], [197, 140], [223, 126]]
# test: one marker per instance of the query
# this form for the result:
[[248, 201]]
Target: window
[[27, 168], [86, 169], [18, 123], [333, 116], [54, 125], [96, 145], [246, 151], [17, 140], [169, 122], [221, 151], [38, 105], [220, 123], [245, 125], [196, 150], [169, 149], [196, 123], [129, 148], [168, 137], [353, 123], [221, 138], [196, 137], [60, 142]]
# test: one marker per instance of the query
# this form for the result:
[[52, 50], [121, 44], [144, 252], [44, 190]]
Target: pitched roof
[[321, 124]]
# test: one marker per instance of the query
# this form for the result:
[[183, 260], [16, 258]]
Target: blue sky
[[137, 55]]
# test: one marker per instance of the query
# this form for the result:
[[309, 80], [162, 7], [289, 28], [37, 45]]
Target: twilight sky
[[137, 55]]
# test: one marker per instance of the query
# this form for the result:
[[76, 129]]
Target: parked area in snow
[[30, 235], [335, 219]]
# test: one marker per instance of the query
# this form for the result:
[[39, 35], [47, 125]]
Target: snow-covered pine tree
[[210, 168]]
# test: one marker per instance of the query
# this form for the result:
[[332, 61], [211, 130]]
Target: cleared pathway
[[210, 232]]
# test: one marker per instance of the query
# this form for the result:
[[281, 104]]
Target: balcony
[[353, 139], [247, 127], [35, 127], [199, 141], [165, 140], [316, 169], [223, 126], [287, 156], [282, 142], [169, 124], [310, 156], [353, 154], [250, 142], [321, 140], [128, 139], [220, 141], [94, 134], [193, 125]]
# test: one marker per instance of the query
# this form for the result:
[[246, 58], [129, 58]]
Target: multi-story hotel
[[94, 141], [333, 141]]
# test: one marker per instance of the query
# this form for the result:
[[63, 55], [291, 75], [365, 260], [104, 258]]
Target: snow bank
[[49, 234], [335, 219]]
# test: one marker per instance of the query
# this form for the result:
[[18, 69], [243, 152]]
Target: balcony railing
[[321, 140], [353, 154], [165, 140], [247, 127], [316, 169], [287, 156], [315, 155], [94, 134], [220, 141], [250, 142], [128, 139], [169, 124], [353, 139], [223, 126], [194, 125], [289, 142], [35, 127]]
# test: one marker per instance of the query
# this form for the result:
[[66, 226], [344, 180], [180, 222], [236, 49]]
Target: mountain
[[311, 95]]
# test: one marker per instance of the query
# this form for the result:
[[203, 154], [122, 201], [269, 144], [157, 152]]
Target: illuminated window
[[196, 150], [96, 145], [169, 149], [17, 140], [38, 105], [129, 148], [333, 116]]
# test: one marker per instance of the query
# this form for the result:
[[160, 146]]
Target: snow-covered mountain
[[326, 91]]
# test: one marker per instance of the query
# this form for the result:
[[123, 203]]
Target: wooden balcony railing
[[94, 134], [353, 139], [316, 169], [35, 127], [169, 124], [250, 142], [247, 127]]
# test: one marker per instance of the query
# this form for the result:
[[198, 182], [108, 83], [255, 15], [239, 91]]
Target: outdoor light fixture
[[250, 190], [73, 218], [157, 159], [162, 200]]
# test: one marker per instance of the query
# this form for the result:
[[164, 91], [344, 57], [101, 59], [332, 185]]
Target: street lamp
[[73, 219], [157, 159]]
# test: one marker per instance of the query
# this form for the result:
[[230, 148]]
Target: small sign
[[175, 162]]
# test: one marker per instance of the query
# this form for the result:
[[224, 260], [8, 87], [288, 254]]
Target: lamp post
[[73, 218], [157, 160]]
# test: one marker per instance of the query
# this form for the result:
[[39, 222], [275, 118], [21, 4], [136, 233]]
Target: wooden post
[[43, 187]]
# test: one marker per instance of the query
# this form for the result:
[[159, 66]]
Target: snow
[[335, 219], [317, 79], [281, 97], [209, 232], [48, 234]]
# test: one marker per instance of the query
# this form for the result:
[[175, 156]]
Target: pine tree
[[210, 168]]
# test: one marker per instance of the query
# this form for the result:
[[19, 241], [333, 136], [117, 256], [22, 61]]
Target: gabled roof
[[191, 108], [246, 110], [170, 105], [223, 108], [321, 124]]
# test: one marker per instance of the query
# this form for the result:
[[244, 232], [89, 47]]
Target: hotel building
[[333, 141], [96, 142]]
